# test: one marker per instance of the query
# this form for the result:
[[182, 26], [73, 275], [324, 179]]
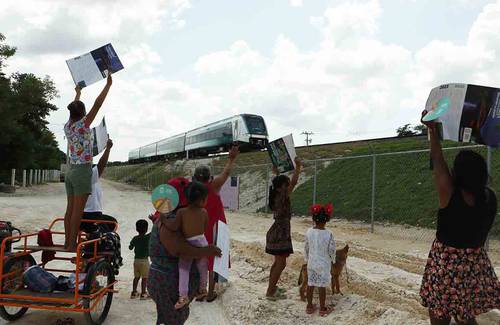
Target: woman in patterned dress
[[459, 281], [278, 238], [165, 248], [78, 179]]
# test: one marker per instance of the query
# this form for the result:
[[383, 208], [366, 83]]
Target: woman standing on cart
[[78, 180]]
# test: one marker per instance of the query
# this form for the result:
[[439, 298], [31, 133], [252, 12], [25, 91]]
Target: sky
[[342, 69]]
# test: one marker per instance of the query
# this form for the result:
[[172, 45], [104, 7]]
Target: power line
[[308, 140]]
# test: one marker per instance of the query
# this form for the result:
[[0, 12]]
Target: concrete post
[[31, 177], [13, 178], [24, 177]]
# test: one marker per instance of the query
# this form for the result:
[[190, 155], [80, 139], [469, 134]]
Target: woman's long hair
[[470, 173], [277, 182]]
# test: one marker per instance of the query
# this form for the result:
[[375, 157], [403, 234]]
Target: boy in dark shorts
[[140, 245]]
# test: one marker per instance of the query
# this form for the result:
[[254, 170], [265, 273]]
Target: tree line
[[25, 102]]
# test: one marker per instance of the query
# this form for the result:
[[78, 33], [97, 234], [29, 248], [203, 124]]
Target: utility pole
[[308, 140]]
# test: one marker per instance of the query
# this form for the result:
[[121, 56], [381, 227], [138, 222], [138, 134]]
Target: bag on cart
[[39, 280]]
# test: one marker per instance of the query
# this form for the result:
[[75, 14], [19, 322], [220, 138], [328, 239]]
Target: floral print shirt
[[80, 142]]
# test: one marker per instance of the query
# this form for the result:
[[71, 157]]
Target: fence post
[[374, 171], [13, 178], [315, 180], [24, 177], [267, 189], [31, 177]]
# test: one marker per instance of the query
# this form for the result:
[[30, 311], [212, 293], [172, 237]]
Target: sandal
[[134, 295], [327, 311], [311, 310], [183, 301], [214, 296], [144, 296], [202, 294]]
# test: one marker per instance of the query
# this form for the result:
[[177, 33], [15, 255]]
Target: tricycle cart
[[94, 299]]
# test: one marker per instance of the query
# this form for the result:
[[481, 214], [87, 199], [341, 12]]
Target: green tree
[[405, 131], [25, 102]]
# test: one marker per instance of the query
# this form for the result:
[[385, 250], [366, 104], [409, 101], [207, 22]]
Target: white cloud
[[296, 3], [351, 84]]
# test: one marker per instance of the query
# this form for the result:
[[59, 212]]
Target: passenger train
[[248, 130]]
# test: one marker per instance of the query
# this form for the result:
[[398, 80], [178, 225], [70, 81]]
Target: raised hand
[[429, 124], [234, 152], [109, 80]]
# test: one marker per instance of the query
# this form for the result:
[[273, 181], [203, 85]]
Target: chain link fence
[[390, 188]]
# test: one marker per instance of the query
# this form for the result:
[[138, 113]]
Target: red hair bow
[[317, 208], [329, 209]]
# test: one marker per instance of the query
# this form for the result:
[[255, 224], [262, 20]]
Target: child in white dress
[[319, 256]]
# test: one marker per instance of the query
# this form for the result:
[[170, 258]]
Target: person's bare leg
[[275, 274], [211, 285], [134, 284], [79, 202], [438, 321], [310, 292], [144, 283], [67, 219], [322, 298]]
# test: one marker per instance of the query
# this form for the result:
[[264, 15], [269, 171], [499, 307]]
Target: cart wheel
[[100, 275], [14, 283]]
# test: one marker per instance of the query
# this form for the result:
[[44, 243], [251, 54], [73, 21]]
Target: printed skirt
[[459, 283]]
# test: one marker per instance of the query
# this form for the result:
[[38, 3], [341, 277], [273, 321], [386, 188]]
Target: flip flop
[[202, 295], [311, 310], [328, 311], [214, 296]]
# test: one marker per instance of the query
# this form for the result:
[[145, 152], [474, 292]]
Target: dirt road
[[383, 270]]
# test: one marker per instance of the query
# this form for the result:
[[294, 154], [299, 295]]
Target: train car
[[134, 154], [171, 146], [148, 151], [248, 130]]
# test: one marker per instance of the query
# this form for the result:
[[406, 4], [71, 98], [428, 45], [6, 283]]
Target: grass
[[405, 192]]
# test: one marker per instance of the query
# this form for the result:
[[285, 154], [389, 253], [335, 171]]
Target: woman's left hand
[[429, 124]]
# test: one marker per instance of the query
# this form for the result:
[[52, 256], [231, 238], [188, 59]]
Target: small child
[[319, 255], [193, 220], [140, 245]]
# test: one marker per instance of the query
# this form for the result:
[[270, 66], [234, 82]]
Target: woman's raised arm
[[98, 102], [442, 177]]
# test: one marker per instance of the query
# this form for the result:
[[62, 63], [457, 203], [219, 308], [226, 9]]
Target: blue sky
[[346, 69]]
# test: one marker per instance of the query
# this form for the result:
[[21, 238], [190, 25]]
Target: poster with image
[[467, 113], [282, 153], [91, 67], [100, 138], [230, 193]]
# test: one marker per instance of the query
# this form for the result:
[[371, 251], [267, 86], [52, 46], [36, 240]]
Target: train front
[[257, 136]]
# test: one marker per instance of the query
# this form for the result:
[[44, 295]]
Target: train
[[249, 131]]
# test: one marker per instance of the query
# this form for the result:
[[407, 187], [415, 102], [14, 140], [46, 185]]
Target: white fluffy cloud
[[352, 84]]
